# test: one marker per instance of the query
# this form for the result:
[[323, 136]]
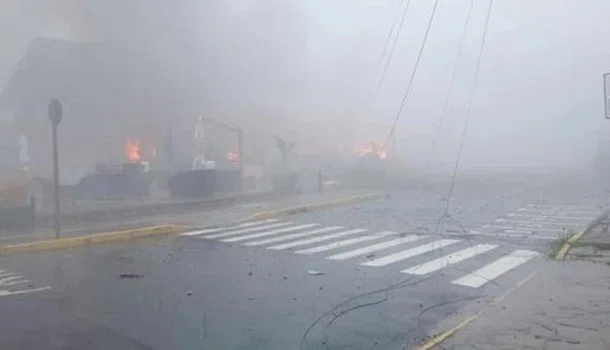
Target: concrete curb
[[440, 337], [145, 209], [563, 251], [268, 214], [97, 238]]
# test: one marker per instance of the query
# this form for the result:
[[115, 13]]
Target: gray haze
[[305, 69]]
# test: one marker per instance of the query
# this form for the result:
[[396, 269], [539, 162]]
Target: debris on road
[[315, 273]]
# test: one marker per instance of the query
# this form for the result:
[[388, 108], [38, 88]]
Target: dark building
[[109, 96]]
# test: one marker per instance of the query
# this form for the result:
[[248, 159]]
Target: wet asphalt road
[[194, 293]]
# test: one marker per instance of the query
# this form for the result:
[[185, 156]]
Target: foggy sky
[[305, 69]]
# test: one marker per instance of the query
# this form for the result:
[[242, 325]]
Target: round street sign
[[55, 112]]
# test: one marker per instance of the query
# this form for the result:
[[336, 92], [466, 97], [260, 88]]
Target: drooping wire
[[468, 109], [389, 57], [385, 58], [386, 45], [441, 119], [413, 72]]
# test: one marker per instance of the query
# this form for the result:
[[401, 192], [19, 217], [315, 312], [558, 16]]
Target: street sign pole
[[55, 115], [240, 150], [606, 97]]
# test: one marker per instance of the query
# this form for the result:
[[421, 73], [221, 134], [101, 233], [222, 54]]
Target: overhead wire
[[408, 281], [469, 107], [456, 64], [413, 73], [389, 57], [385, 57], [390, 34]]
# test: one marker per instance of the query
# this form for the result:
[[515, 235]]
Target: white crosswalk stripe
[[345, 243], [220, 229], [495, 269], [528, 228], [269, 233], [375, 248], [449, 259], [294, 236], [551, 218], [246, 230], [316, 239], [540, 221], [389, 249], [409, 253]]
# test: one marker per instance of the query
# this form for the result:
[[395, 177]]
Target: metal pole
[[394, 146], [56, 182], [240, 150], [605, 77], [55, 116]]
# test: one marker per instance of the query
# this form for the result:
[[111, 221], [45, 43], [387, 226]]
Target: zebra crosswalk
[[540, 222], [12, 283], [413, 254]]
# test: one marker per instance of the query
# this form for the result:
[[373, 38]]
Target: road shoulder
[[563, 307]]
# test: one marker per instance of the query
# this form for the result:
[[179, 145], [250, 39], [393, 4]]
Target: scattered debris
[[130, 275], [315, 273]]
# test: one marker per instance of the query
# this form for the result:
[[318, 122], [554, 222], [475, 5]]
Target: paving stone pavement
[[566, 305]]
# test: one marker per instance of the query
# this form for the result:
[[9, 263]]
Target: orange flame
[[372, 148], [132, 151], [233, 156]]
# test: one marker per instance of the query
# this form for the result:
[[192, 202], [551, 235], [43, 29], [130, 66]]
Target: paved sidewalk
[[565, 306]]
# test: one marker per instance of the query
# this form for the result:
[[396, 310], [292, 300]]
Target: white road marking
[[269, 233], [495, 269], [317, 239], [506, 235], [218, 229], [538, 222], [560, 211], [534, 228], [568, 213], [449, 259], [4, 293], [406, 254], [9, 281], [564, 207], [246, 230], [293, 236], [550, 217], [345, 243], [375, 247]]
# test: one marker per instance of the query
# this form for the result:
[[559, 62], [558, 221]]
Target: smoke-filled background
[[307, 70]]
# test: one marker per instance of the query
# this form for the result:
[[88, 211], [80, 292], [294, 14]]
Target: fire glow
[[371, 148], [233, 156], [132, 151]]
